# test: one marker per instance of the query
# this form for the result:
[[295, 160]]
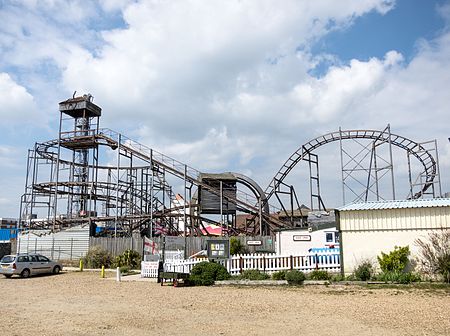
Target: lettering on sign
[[302, 238], [254, 242]]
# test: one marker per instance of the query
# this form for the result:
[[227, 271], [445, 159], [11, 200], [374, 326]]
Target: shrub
[[364, 271], [337, 277], [434, 258], [319, 275], [97, 257], [254, 274], [395, 261], [398, 277], [236, 246], [295, 277], [280, 275], [129, 258], [205, 273], [124, 269]]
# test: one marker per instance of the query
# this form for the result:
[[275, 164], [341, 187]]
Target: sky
[[226, 85]]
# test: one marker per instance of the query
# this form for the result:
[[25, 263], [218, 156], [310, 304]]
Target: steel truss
[[367, 160], [69, 183]]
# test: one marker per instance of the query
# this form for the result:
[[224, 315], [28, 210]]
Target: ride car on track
[[27, 264]]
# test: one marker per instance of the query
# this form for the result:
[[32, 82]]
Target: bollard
[[81, 265], [118, 274], [103, 271]]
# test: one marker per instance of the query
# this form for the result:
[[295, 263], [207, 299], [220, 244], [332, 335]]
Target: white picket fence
[[149, 269], [268, 263]]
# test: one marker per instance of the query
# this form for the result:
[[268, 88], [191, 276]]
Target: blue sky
[[225, 85]]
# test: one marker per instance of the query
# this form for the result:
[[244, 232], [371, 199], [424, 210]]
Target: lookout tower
[[79, 125]]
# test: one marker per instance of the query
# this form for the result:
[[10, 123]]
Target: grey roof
[[400, 204]]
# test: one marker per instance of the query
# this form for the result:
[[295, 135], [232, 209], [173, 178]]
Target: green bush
[[205, 273], [96, 257], [129, 258], [337, 277], [398, 277], [319, 275], [295, 277], [254, 274], [124, 269], [236, 246], [280, 275], [364, 271], [434, 258], [395, 261]]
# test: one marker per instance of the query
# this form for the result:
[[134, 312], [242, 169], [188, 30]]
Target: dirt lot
[[85, 304]]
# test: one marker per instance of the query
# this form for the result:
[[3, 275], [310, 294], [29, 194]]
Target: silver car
[[25, 264]]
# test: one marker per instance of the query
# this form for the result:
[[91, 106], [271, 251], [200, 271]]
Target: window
[[22, 259], [8, 259], [336, 237], [43, 259], [329, 237], [33, 258]]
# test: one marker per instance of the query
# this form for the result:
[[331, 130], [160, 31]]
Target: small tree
[[236, 246], [395, 261], [434, 258], [97, 257], [129, 258], [364, 270]]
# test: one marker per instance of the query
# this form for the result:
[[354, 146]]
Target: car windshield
[[8, 259]]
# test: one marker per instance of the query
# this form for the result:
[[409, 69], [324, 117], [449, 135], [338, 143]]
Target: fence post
[[291, 262], [264, 263], [241, 264], [317, 262], [71, 247], [53, 245]]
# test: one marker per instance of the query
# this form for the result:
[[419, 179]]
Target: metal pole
[[221, 206], [260, 216], [392, 163], [57, 173], [342, 166], [438, 170], [117, 192], [185, 209], [411, 191], [151, 195], [375, 166]]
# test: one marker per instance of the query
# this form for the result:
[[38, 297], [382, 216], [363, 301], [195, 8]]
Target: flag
[[150, 245]]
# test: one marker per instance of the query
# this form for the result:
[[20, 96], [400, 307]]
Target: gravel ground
[[84, 304]]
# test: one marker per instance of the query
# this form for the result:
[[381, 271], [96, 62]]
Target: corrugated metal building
[[72, 243], [369, 228]]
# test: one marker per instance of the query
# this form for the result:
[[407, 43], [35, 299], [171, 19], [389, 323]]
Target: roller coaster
[[98, 177]]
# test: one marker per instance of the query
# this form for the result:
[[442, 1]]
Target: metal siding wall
[[395, 219], [69, 244]]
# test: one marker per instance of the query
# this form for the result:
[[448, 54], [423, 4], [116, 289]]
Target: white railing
[[267, 263]]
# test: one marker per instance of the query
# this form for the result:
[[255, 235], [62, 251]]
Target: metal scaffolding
[[74, 180], [98, 177]]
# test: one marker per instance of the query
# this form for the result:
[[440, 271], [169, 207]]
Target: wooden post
[[264, 264], [241, 264], [291, 259]]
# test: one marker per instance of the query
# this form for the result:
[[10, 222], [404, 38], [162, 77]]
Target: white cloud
[[224, 85], [17, 105], [175, 58]]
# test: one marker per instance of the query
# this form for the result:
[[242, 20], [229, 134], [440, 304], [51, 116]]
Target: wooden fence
[[268, 263]]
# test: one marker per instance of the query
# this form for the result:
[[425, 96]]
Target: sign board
[[218, 249], [302, 238], [254, 242]]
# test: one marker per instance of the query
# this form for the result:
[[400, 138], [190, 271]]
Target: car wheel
[[8, 275], [56, 270], [25, 273]]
